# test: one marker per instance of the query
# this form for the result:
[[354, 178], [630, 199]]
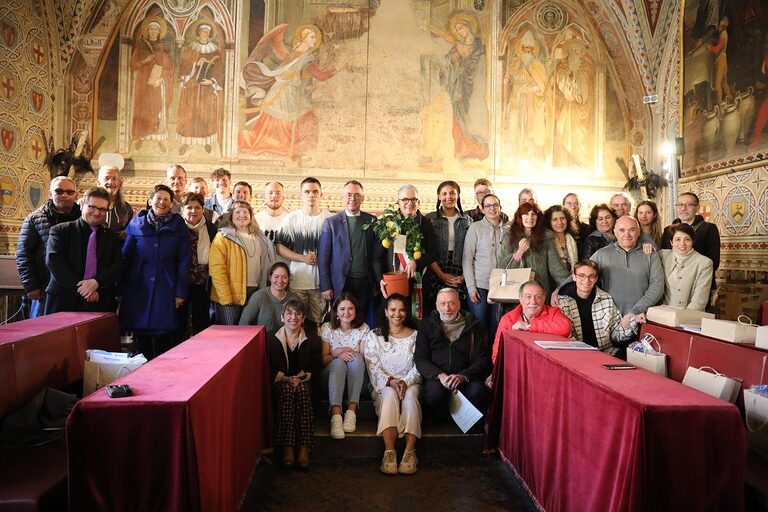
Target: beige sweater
[[687, 279]]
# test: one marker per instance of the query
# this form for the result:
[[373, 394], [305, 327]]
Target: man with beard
[[119, 212], [452, 354]]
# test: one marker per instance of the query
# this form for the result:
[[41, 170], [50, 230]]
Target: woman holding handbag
[[528, 245], [482, 253]]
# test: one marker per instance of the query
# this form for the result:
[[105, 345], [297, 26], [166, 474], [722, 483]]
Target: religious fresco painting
[[319, 86], [725, 75], [562, 101]]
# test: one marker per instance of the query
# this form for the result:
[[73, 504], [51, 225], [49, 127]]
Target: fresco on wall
[[560, 96], [725, 80]]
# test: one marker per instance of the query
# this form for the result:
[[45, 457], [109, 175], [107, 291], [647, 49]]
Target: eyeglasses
[[491, 206], [406, 200], [100, 210], [61, 192], [571, 204], [353, 196], [588, 277], [686, 205]]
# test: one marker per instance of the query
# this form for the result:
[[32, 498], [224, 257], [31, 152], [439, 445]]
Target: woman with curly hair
[[558, 219], [601, 221]]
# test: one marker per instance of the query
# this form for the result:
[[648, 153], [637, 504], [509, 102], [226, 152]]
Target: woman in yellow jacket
[[239, 261]]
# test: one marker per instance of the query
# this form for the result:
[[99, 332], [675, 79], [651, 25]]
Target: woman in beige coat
[[688, 274]]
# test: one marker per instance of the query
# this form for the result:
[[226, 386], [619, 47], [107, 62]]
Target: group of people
[[190, 259]]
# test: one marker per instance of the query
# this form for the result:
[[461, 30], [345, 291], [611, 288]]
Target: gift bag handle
[[748, 322], [651, 338], [747, 408], [715, 372]]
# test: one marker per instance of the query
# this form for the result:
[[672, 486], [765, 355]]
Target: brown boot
[[303, 459], [288, 457]]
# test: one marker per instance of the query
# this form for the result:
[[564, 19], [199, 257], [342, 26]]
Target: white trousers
[[405, 415]]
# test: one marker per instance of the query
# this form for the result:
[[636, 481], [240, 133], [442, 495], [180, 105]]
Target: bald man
[[633, 278], [30, 250]]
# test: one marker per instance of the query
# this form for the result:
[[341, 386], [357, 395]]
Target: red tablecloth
[[189, 438], [586, 438]]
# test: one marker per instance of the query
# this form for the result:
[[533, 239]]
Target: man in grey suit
[[345, 253]]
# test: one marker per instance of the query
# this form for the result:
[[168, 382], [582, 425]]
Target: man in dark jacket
[[452, 354], [84, 260], [30, 250], [706, 239]]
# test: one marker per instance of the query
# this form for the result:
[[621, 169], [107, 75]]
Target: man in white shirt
[[270, 218], [297, 240]]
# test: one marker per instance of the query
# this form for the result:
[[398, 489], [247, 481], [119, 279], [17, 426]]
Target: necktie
[[90, 255]]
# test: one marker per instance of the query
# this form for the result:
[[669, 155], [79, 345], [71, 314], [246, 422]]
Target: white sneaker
[[350, 421], [409, 463], [337, 432], [389, 463]]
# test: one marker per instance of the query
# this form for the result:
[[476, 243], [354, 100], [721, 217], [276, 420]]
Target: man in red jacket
[[533, 315]]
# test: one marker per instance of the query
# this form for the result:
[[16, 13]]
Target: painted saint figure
[[572, 104], [153, 85], [202, 74], [525, 87], [286, 123], [466, 75]]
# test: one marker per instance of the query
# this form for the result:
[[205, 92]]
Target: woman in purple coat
[[157, 260]]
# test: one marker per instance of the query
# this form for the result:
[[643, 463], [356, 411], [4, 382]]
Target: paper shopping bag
[[97, 375], [504, 285], [761, 337], [672, 317], [644, 355], [712, 383], [740, 331]]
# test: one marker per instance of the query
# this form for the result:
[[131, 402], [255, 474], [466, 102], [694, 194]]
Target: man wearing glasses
[[84, 259], [482, 189], [594, 317], [706, 239], [30, 251], [346, 251]]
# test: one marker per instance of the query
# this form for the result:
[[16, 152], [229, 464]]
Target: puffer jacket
[[30, 250], [228, 266]]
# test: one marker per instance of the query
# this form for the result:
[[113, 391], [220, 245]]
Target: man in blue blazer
[[346, 251]]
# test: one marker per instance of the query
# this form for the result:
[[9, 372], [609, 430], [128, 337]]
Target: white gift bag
[[102, 368], [650, 359], [761, 337], [672, 317], [740, 331], [712, 383]]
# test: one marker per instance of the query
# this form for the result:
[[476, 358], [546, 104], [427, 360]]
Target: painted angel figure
[[466, 86], [278, 83]]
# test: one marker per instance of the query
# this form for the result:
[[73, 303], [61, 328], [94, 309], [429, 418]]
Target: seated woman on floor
[[395, 384], [265, 306], [343, 361], [593, 313], [296, 359]]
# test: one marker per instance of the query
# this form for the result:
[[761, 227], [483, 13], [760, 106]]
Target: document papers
[[464, 414], [564, 345]]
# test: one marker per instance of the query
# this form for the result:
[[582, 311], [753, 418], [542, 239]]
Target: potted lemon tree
[[387, 227]]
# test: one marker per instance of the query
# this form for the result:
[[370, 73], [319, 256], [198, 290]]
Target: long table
[[585, 438], [190, 436]]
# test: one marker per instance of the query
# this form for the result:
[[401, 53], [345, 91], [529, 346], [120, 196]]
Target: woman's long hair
[[656, 229], [568, 218], [517, 230]]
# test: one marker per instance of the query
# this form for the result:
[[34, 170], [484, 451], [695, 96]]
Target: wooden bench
[[48, 351]]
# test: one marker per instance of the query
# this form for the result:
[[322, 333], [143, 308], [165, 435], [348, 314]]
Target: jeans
[[487, 314], [337, 372]]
